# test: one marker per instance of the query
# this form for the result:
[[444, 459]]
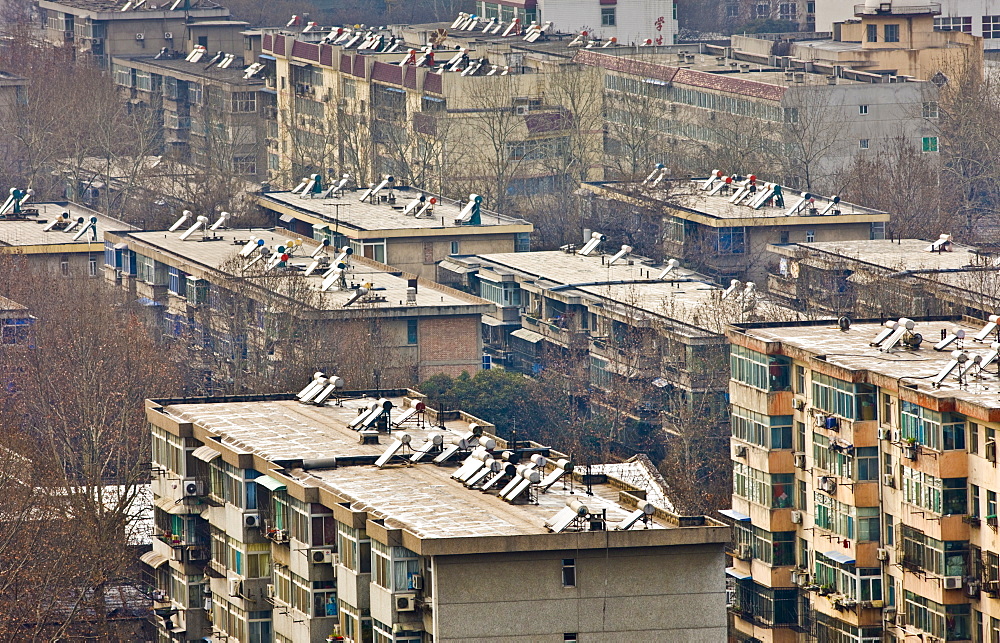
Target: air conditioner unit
[[193, 488], [406, 602], [991, 586], [798, 404], [884, 434], [799, 459], [235, 586], [168, 35], [801, 578], [69, 35], [521, 110], [828, 484], [281, 536], [177, 553], [160, 596], [952, 582], [900, 619], [323, 556], [740, 451], [744, 551], [251, 520], [140, 36], [894, 435], [888, 480], [198, 553], [270, 592], [882, 554], [796, 517], [416, 581]]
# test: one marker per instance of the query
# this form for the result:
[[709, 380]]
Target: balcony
[[890, 9]]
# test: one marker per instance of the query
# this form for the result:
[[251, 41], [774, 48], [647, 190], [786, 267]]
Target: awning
[[286, 218], [457, 268], [839, 557], [527, 335], [174, 508], [269, 483], [121, 246], [266, 57], [154, 559], [491, 321], [738, 575], [146, 301], [735, 515], [205, 453]]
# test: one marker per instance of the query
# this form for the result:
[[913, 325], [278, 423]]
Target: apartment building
[[722, 225], [802, 120], [211, 116], [400, 226], [256, 296], [909, 277], [104, 28], [627, 22], [801, 13], [279, 520], [864, 501], [457, 122], [63, 238], [976, 17], [15, 324]]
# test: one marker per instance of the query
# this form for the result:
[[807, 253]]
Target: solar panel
[[61, 219], [573, 511], [332, 385], [991, 325], [90, 227], [434, 441], [472, 464], [507, 469], [957, 357], [596, 238], [402, 440], [642, 512], [313, 383], [563, 466]]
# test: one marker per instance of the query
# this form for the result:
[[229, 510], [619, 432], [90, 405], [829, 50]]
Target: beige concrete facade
[[403, 554]]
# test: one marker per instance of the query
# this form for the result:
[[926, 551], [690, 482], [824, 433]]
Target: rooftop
[[232, 75], [212, 260], [29, 230], [685, 296], [420, 498], [911, 369], [127, 9], [714, 206], [349, 214]]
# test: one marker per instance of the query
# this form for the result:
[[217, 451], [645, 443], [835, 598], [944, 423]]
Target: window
[[731, 241], [569, 637], [455, 247], [774, 432], [974, 500], [851, 401], [954, 23], [771, 548], [800, 379], [948, 622], [92, 271], [765, 372], [833, 515], [891, 33], [732, 11], [973, 437], [877, 230], [522, 242], [991, 26], [863, 144], [370, 248], [929, 144], [411, 331], [939, 431], [608, 16], [195, 93], [872, 33], [929, 109], [810, 236], [245, 164], [569, 572], [863, 110], [64, 266], [244, 101], [770, 490]]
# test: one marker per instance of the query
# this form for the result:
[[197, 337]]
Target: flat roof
[[232, 75], [688, 297], [348, 213], [28, 234], [389, 287], [420, 498], [912, 370], [107, 6], [688, 196]]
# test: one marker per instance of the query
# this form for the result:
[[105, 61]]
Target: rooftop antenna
[[991, 325], [596, 239], [957, 358], [185, 215], [200, 222], [90, 227], [672, 265], [358, 294], [620, 254], [223, 217]]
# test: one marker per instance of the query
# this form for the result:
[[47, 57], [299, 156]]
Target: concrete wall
[[420, 256], [665, 594], [635, 20]]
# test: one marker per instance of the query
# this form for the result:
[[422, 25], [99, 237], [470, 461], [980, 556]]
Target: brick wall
[[449, 345]]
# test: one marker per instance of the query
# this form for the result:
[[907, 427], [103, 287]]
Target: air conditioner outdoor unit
[[198, 553], [69, 35], [251, 520], [884, 434], [900, 619], [796, 517], [140, 36], [799, 459], [160, 596], [416, 581], [798, 404], [744, 551], [888, 480], [740, 451], [193, 488], [281, 536], [894, 434], [323, 556], [521, 110], [270, 592], [177, 553], [953, 582], [828, 484], [167, 35], [235, 586], [406, 602], [882, 554]]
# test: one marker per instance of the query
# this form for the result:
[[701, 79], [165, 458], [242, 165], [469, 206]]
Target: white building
[[629, 21], [978, 17]]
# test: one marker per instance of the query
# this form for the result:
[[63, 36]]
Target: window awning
[[457, 268], [738, 575], [266, 57], [527, 335], [154, 559], [269, 483], [839, 557], [286, 218], [735, 515], [491, 321], [205, 453], [174, 508]]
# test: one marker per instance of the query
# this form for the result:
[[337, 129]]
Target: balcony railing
[[890, 9]]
